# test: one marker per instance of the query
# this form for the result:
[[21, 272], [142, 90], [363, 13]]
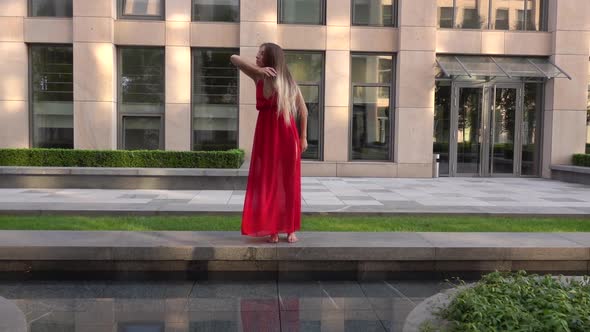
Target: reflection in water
[[11, 317], [142, 327], [253, 319], [186, 306]]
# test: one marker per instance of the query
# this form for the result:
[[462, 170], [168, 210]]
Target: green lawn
[[309, 223]]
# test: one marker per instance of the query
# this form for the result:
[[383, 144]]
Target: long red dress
[[273, 194]]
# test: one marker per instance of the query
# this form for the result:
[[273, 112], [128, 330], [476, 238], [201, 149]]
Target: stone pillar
[[95, 75], [14, 109], [178, 118], [414, 110], [564, 127], [337, 81], [258, 24]]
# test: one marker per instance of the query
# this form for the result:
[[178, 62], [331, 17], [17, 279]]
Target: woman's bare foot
[[274, 238], [292, 238]]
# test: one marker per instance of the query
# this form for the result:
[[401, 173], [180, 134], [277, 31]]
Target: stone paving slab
[[505, 196]]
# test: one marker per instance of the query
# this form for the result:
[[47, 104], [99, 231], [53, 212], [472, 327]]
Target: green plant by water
[[520, 302]]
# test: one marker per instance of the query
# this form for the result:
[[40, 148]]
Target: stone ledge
[[571, 168], [352, 254], [124, 178], [571, 173]]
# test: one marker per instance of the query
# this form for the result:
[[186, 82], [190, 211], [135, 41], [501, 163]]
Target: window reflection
[[52, 93], [373, 12], [215, 100], [146, 8], [442, 123], [301, 11], [371, 107], [141, 100], [307, 69], [51, 8], [492, 14], [216, 10]]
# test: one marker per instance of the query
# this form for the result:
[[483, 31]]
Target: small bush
[[117, 158], [582, 160], [521, 302]]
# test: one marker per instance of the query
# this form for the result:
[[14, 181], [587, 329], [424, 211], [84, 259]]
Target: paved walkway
[[340, 195]]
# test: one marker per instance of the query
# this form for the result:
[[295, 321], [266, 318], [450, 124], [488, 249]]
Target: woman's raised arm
[[256, 73]]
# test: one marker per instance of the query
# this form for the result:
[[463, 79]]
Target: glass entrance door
[[485, 138], [468, 130], [503, 130]]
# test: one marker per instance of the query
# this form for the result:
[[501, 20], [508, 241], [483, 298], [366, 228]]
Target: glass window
[[52, 94], [519, 20], [588, 123], [142, 133], [445, 17], [471, 14], [215, 100], [141, 94], [371, 69], [493, 14], [505, 14], [373, 12], [531, 131], [502, 19], [145, 9], [301, 11], [307, 69], [216, 10], [442, 124], [535, 14], [55, 8], [371, 107]]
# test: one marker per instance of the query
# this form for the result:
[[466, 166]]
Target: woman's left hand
[[303, 144]]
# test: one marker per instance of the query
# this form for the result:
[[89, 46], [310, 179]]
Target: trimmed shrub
[[582, 160], [119, 158]]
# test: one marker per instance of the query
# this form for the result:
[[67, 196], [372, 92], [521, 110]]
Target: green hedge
[[582, 160], [117, 158]]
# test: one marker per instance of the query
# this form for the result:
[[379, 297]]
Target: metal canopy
[[511, 67]]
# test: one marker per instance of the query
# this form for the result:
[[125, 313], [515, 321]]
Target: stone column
[[258, 24], [414, 110], [178, 76], [337, 81], [564, 129], [14, 109], [95, 75]]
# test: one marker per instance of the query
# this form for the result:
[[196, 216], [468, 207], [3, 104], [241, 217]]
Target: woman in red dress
[[273, 194]]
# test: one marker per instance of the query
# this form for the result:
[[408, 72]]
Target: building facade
[[496, 87]]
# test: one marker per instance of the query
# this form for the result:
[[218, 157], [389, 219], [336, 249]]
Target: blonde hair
[[285, 86]]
